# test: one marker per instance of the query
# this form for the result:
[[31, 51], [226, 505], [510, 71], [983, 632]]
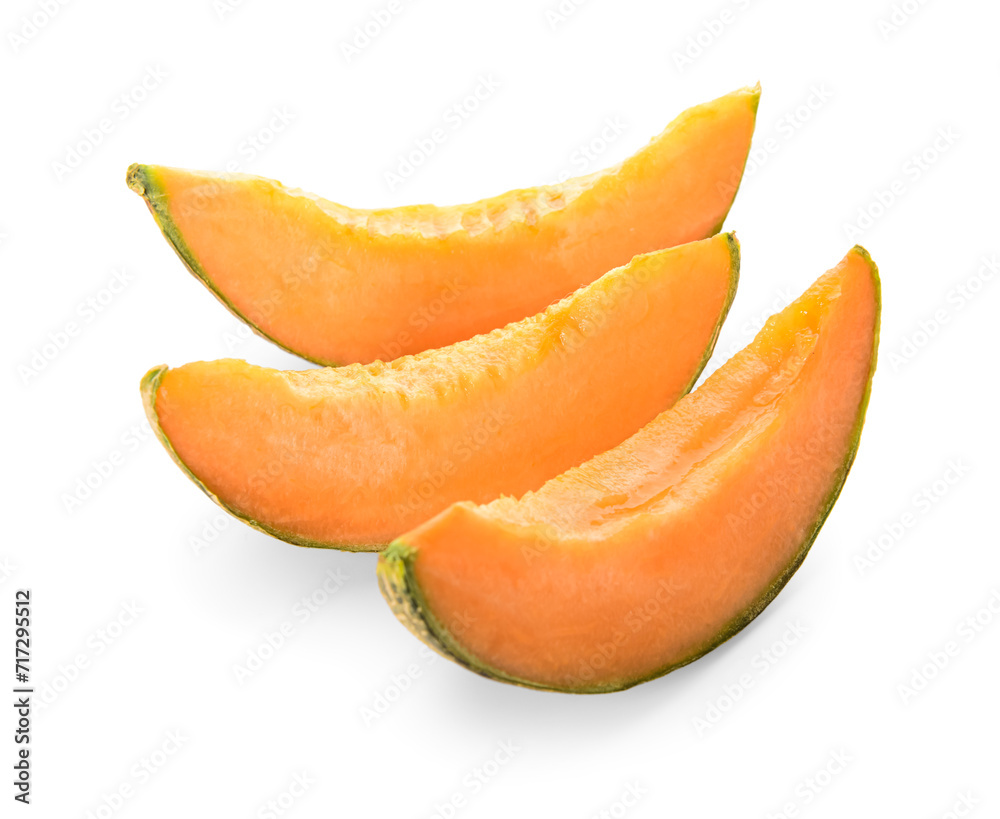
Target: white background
[[885, 97]]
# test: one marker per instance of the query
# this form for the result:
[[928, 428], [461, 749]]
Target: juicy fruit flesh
[[353, 456], [337, 285], [651, 554]]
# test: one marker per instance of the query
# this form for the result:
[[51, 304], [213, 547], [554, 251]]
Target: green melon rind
[[150, 384], [401, 590], [142, 180]]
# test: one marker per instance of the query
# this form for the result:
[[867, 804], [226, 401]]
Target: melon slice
[[648, 556], [354, 456], [338, 285]]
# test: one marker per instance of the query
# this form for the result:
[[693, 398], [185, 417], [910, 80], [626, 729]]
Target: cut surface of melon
[[338, 285], [653, 553], [351, 457]]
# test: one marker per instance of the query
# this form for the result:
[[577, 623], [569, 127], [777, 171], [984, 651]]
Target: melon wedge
[[338, 285], [354, 456], [650, 555]]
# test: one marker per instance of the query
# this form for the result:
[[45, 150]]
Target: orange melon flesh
[[338, 285], [651, 554], [354, 456]]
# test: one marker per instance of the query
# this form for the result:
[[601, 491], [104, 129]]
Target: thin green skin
[[398, 583], [141, 179], [151, 383]]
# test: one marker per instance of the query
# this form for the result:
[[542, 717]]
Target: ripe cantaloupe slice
[[650, 555], [354, 456], [338, 285]]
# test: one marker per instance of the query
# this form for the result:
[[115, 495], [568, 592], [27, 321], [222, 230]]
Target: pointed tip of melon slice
[[734, 251], [149, 387], [394, 573], [867, 257], [877, 285], [401, 591], [137, 179]]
